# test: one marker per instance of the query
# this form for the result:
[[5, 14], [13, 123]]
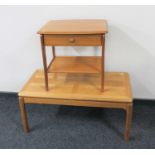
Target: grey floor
[[74, 127]]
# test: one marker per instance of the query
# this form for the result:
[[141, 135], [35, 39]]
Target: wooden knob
[[71, 40]]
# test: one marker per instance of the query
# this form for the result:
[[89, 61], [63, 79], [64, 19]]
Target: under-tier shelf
[[78, 64]]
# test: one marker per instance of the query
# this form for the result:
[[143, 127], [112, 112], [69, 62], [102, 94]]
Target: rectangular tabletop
[[79, 87], [87, 26]]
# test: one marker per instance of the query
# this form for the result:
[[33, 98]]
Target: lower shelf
[[79, 64]]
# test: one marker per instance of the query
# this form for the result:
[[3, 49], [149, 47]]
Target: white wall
[[130, 44]]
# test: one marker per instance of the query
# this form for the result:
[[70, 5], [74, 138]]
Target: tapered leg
[[44, 61], [23, 114], [102, 64], [128, 121], [53, 50]]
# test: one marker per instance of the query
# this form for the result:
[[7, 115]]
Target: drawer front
[[73, 40]]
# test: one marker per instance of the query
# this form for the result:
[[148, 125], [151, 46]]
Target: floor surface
[[69, 127]]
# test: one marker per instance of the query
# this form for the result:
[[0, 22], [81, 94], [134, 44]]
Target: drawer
[[73, 40]]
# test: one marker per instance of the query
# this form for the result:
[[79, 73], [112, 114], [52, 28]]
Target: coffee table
[[79, 90]]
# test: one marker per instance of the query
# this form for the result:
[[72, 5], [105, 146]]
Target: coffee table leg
[[128, 121], [23, 114], [102, 64]]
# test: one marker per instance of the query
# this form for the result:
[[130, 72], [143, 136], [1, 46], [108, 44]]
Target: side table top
[[85, 26]]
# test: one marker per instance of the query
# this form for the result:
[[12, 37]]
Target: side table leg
[[102, 64], [128, 121], [23, 114], [53, 51], [44, 61]]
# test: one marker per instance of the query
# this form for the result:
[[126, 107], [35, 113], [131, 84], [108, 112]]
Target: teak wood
[[85, 26], [81, 90], [73, 33], [82, 64], [73, 40]]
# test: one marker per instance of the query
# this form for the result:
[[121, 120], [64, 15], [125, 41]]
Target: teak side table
[[73, 33]]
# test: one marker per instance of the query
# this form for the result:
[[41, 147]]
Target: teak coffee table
[[78, 90], [73, 33]]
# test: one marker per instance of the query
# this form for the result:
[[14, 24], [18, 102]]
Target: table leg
[[23, 114], [128, 121], [102, 64], [53, 50], [44, 61]]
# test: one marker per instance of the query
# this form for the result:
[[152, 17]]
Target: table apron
[[72, 40], [72, 102]]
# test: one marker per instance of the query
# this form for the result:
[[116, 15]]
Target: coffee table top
[[79, 87], [87, 26]]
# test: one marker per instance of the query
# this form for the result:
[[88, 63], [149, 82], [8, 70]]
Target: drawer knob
[[71, 40]]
